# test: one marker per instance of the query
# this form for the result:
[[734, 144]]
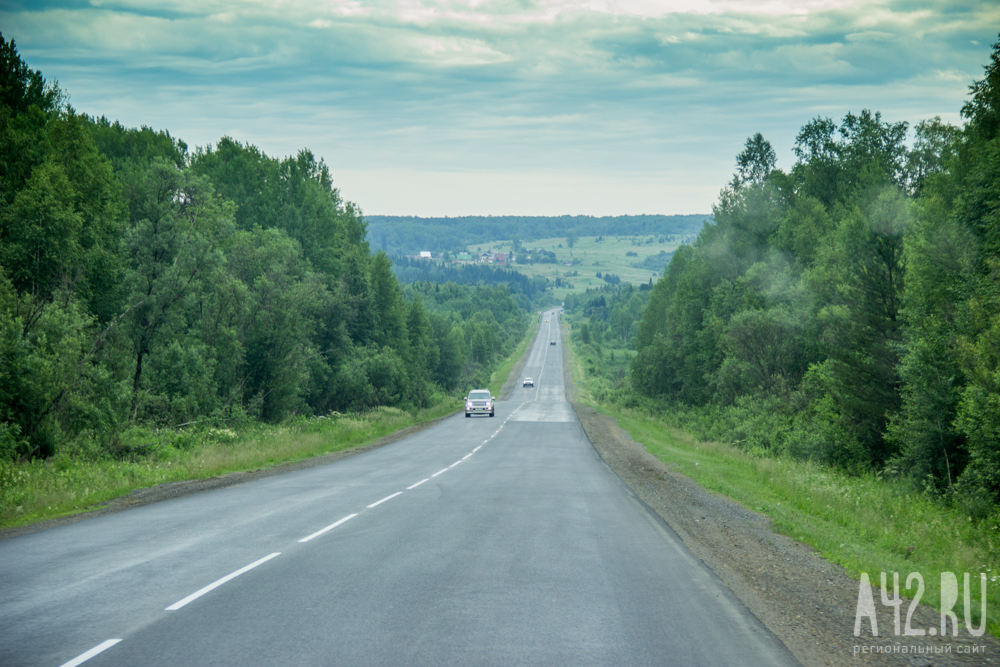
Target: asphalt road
[[483, 541]]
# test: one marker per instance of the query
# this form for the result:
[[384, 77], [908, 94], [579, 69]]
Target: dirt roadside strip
[[806, 601]]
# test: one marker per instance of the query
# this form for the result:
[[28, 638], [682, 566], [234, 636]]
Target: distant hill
[[408, 235]]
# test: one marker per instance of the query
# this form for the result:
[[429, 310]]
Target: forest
[[408, 235], [143, 283], [847, 310], [532, 289]]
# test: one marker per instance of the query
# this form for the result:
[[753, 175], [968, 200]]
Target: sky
[[508, 107]]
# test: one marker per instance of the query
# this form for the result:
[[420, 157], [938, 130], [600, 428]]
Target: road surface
[[481, 541]]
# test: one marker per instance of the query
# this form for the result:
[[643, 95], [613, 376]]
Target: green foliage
[[410, 270], [125, 146], [846, 311], [144, 289], [22, 87]]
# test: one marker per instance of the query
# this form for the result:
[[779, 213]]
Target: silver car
[[479, 402], [528, 382]]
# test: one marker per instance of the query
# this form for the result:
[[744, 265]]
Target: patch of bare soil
[[806, 601]]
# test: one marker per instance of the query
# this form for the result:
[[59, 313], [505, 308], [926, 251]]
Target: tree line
[[410, 270], [613, 313], [848, 310], [408, 235], [145, 283]]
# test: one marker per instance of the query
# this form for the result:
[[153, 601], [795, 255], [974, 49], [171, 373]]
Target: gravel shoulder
[[806, 601]]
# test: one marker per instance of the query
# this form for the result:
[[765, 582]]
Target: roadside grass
[[62, 485], [864, 523]]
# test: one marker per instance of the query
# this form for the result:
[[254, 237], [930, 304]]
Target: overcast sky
[[476, 107]]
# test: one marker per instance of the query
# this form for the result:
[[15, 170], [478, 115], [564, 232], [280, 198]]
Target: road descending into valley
[[482, 541]]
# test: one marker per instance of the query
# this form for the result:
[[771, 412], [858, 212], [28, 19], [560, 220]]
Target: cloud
[[585, 91]]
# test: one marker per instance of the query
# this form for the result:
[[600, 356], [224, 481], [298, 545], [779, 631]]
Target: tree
[[22, 87], [755, 162], [862, 280], [177, 225], [388, 311], [977, 209], [934, 147]]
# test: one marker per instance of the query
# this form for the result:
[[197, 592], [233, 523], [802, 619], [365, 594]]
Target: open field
[[607, 256]]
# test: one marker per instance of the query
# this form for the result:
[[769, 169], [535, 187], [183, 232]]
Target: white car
[[528, 382], [479, 402]]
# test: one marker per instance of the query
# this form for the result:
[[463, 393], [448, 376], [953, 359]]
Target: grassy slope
[[62, 486], [865, 524]]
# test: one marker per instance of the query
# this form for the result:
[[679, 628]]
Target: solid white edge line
[[84, 657], [385, 499], [439, 472], [212, 586], [330, 527], [477, 449], [417, 484], [455, 463]]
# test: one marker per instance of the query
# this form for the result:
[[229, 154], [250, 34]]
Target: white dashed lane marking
[[385, 499], [84, 657], [215, 584], [330, 527]]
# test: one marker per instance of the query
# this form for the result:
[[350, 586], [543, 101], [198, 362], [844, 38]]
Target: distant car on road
[[528, 382], [479, 402], [552, 342], [546, 320]]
